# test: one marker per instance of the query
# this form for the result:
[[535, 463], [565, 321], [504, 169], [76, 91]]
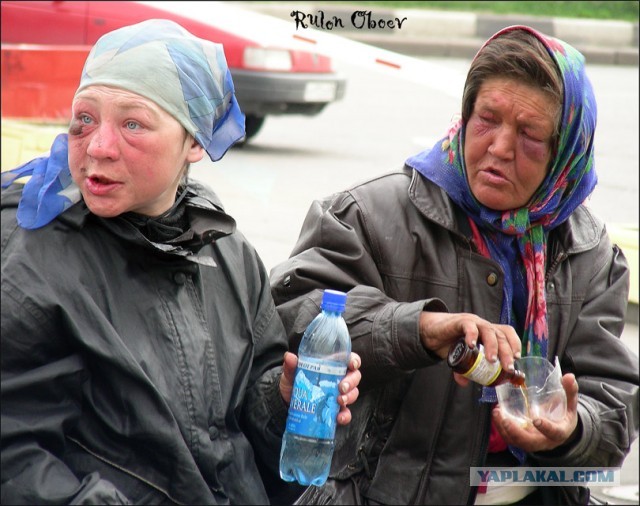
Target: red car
[[38, 80]]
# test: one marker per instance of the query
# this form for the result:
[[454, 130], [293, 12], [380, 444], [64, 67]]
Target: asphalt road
[[384, 118]]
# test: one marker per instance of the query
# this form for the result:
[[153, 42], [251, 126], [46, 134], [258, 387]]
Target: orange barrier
[[38, 81]]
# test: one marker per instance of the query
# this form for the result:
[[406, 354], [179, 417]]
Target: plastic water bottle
[[308, 441]]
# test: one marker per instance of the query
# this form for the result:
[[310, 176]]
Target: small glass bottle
[[472, 364]]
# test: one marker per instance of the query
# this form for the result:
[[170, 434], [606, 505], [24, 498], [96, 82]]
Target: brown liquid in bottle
[[472, 364]]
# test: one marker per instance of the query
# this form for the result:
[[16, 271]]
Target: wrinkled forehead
[[577, 89]]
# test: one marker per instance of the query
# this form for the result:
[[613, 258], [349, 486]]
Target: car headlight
[[267, 58]]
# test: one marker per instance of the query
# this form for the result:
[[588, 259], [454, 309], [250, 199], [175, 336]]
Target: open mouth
[[100, 185], [100, 180]]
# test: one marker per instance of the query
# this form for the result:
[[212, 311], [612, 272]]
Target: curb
[[467, 48], [454, 34]]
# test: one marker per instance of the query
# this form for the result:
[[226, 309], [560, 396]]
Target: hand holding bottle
[[473, 365], [319, 393], [440, 331], [348, 386]]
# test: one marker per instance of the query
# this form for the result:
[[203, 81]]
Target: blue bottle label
[[314, 402]]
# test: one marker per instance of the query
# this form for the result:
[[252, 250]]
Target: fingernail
[[537, 422], [517, 354], [355, 364], [345, 387], [344, 399], [511, 367]]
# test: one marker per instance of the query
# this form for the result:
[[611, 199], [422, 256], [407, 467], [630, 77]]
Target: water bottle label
[[314, 402]]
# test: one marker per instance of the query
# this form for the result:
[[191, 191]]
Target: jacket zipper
[[485, 439], [481, 458]]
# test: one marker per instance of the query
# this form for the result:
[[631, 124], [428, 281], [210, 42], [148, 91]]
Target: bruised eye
[[488, 119], [533, 138]]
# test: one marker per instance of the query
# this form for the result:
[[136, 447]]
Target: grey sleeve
[[334, 251]]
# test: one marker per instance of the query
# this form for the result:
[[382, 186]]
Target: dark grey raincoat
[[133, 373]]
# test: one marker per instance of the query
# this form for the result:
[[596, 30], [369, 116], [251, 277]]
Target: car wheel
[[252, 125]]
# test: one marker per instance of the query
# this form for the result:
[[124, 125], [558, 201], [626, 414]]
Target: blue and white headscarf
[[158, 59]]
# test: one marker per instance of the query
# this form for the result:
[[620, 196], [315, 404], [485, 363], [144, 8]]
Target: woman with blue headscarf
[[484, 236], [142, 356]]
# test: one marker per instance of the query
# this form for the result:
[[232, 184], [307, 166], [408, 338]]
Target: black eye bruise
[[75, 128]]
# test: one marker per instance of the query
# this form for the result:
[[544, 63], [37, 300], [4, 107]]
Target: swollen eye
[[75, 128]]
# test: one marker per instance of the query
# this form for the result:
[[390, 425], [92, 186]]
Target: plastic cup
[[542, 396]]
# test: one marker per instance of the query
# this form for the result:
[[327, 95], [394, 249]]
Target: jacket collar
[[432, 201], [579, 233], [207, 218]]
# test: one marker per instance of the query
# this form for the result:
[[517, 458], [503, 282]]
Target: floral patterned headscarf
[[517, 238]]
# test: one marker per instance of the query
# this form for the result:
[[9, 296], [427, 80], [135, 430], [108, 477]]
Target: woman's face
[[126, 153], [508, 143]]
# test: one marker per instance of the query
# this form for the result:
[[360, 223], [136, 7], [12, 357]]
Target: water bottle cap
[[333, 300]]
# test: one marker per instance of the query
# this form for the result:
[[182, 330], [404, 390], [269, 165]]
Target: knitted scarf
[[517, 239]]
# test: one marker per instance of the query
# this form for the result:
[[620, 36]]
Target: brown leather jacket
[[394, 244]]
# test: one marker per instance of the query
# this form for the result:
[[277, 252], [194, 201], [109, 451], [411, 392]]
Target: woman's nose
[[503, 143], [103, 143]]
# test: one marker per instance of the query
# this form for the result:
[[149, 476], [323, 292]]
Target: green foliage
[[611, 10]]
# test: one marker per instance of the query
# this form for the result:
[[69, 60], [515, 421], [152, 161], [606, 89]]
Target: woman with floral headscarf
[[142, 356], [484, 236]]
